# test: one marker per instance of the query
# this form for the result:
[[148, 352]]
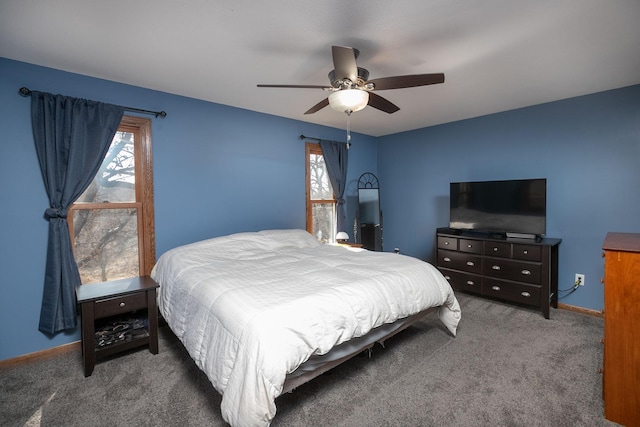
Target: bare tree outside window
[[321, 204], [110, 232]]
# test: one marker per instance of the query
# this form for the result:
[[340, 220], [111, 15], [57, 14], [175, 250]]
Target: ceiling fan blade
[[319, 106], [401, 82], [344, 63], [299, 86], [378, 102]]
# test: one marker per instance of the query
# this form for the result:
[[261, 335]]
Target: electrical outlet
[[579, 279]]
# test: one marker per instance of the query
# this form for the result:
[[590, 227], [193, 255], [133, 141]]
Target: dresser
[[621, 373], [522, 271]]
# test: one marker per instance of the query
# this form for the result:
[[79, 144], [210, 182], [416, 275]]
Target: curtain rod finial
[[24, 91]]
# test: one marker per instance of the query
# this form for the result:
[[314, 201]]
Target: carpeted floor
[[508, 366]]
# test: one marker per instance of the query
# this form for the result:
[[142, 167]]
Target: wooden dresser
[[621, 374], [523, 271]]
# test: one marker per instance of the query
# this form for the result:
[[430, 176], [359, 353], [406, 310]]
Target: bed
[[263, 312]]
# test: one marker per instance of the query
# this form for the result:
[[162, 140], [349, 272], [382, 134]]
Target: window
[[112, 222], [321, 204]]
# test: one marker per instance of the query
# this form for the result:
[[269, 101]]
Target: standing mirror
[[369, 213]]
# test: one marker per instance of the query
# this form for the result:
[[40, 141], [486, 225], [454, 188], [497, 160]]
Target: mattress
[[250, 308]]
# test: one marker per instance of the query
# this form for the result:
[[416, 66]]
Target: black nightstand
[[125, 314]]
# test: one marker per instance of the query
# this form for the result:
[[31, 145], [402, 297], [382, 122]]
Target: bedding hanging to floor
[[251, 307]]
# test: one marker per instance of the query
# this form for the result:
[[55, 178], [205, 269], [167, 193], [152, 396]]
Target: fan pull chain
[[348, 128]]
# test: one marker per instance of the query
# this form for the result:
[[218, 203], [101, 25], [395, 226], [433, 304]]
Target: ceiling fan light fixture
[[348, 100]]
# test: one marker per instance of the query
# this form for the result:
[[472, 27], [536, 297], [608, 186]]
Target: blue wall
[[217, 170], [220, 170], [587, 147]]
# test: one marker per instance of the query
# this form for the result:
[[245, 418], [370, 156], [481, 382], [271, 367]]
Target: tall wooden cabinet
[[621, 374]]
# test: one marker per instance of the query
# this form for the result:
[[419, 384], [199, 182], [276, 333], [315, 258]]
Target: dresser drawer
[[516, 292], [512, 270], [450, 243], [497, 249], [121, 304], [463, 281], [527, 252], [460, 261], [470, 246]]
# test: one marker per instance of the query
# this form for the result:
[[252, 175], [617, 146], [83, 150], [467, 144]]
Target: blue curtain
[[336, 157], [72, 137]]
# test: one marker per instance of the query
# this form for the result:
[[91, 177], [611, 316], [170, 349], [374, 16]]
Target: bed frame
[[318, 365]]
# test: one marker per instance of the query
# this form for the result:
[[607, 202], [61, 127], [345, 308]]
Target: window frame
[[311, 148], [144, 194]]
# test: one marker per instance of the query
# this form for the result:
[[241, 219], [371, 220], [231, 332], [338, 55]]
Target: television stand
[[521, 271]]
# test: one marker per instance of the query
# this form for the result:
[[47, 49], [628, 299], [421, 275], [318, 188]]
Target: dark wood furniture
[[523, 271], [109, 301], [621, 373], [350, 245]]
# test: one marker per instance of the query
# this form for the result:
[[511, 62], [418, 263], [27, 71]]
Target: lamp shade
[[342, 236], [348, 100]]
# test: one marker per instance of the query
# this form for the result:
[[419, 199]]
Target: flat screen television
[[513, 207]]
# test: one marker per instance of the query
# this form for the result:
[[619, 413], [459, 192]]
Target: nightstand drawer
[[121, 304]]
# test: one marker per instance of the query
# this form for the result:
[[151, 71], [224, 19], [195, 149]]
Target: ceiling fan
[[351, 90]]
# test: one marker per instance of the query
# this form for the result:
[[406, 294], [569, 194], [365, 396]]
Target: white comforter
[[251, 307]]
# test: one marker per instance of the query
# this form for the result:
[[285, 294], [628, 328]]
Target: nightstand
[[123, 312], [350, 245]]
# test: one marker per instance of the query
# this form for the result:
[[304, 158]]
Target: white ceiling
[[497, 55]]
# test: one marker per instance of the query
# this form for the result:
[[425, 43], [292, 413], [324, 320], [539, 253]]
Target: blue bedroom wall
[[217, 170], [587, 147], [220, 170]]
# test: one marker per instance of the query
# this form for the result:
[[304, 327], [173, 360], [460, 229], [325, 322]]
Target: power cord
[[563, 293]]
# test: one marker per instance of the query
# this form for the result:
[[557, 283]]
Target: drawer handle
[[495, 249], [495, 288], [446, 259], [469, 245], [447, 277], [525, 252], [525, 294], [470, 263], [122, 304], [470, 283], [526, 272], [495, 267], [446, 243]]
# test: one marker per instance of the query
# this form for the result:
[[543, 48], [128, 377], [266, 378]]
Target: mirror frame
[[366, 233]]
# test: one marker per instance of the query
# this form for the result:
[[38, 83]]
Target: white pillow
[[294, 237]]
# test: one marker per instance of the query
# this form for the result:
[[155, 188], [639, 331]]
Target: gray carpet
[[508, 366]]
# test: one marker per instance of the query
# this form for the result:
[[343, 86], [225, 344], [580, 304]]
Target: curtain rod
[[303, 137], [26, 92], [309, 137]]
